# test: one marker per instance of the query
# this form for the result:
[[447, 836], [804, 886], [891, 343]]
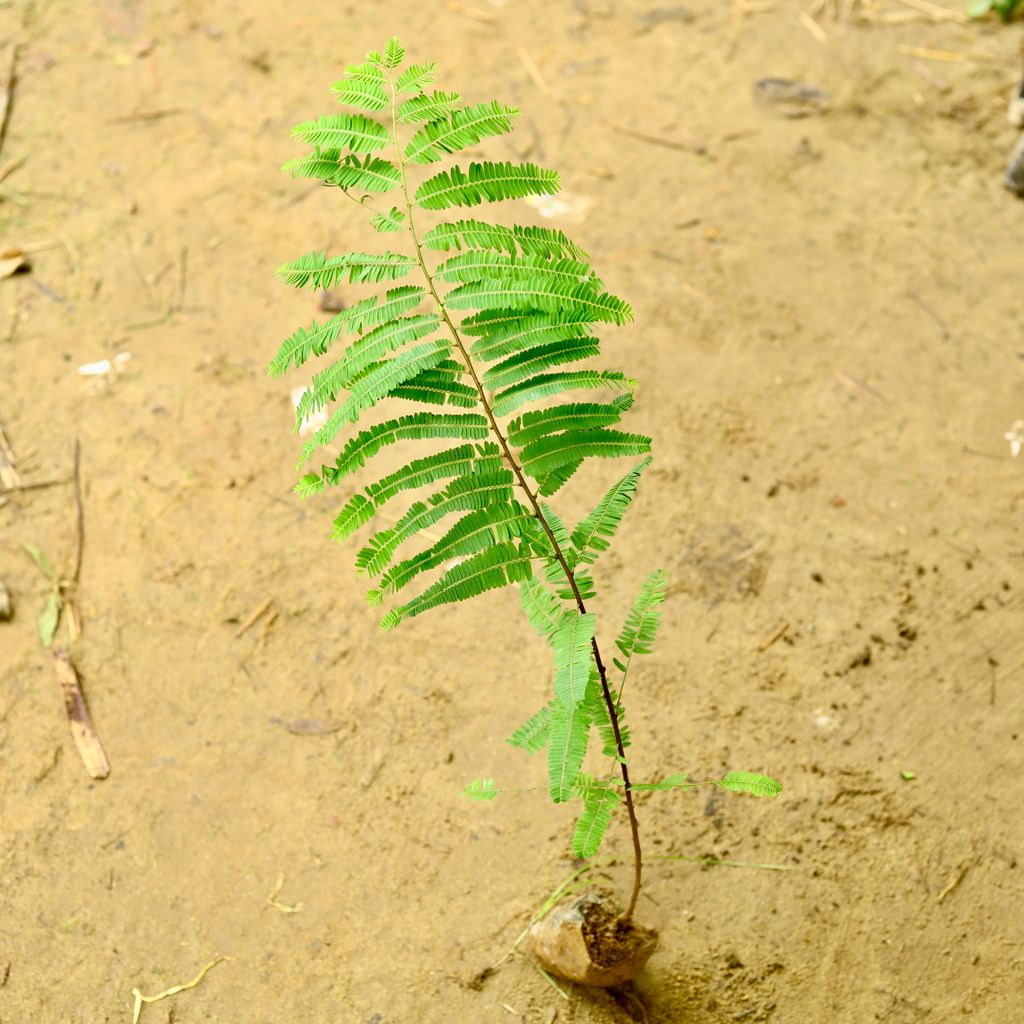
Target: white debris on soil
[[103, 371], [103, 367], [1015, 437], [565, 206]]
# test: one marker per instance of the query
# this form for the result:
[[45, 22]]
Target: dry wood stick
[[86, 741], [35, 485], [79, 532], [9, 476], [7, 93], [655, 140]]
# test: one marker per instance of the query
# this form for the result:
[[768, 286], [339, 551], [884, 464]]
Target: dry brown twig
[[254, 617], [816, 31], [7, 90], [655, 140], [534, 72], [954, 56], [82, 732], [146, 115], [936, 12], [141, 1000], [473, 13], [738, 10], [10, 478], [776, 634], [35, 485], [69, 579], [274, 902]]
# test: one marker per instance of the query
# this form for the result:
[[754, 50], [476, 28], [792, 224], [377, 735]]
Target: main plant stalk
[[535, 505]]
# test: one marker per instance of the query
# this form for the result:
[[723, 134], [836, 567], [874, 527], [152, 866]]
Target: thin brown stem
[[533, 499], [79, 520]]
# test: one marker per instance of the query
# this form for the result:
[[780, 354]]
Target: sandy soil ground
[[829, 342]]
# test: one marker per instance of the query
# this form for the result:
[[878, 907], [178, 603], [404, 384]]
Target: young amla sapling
[[483, 351]]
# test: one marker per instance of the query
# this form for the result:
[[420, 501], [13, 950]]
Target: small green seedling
[[1004, 8], [487, 341], [49, 617]]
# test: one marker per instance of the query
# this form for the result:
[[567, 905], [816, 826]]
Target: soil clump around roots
[[585, 941]]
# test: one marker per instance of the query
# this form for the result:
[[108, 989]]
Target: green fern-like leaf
[[473, 532], [594, 532], [641, 628], [517, 333], [430, 107], [679, 780], [477, 485], [356, 132], [439, 385], [358, 511], [318, 270], [485, 183], [394, 54], [484, 264], [598, 806], [372, 174], [481, 790], [461, 128], [475, 234], [363, 87], [554, 481], [415, 77], [549, 453], [567, 746], [431, 469], [362, 355], [464, 462], [387, 222], [498, 566], [375, 385], [749, 782], [542, 608], [526, 364], [533, 735], [573, 656], [547, 385], [548, 242], [310, 484], [418, 426], [306, 341], [541, 293], [532, 426], [557, 528], [597, 708]]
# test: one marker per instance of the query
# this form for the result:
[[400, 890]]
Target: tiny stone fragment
[[330, 301], [791, 99], [1015, 111], [5, 603], [1013, 178]]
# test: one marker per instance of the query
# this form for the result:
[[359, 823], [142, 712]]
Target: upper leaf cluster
[[487, 361]]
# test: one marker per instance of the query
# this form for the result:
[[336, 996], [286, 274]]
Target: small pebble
[[791, 99], [330, 302], [1013, 178]]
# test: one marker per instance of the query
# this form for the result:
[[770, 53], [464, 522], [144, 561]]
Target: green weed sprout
[[482, 347], [1004, 8]]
